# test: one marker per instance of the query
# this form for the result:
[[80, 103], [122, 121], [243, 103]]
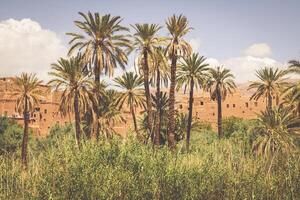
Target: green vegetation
[[214, 169]]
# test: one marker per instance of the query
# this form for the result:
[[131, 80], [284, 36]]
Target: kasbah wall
[[46, 114]]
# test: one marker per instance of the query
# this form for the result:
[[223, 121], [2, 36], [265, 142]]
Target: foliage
[[10, 136], [275, 132], [131, 170], [102, 43], [269, 84]]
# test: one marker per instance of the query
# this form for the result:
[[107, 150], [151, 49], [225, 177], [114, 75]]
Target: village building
[[46, 114]]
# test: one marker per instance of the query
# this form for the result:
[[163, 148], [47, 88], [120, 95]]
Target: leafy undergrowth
[[130, 170]]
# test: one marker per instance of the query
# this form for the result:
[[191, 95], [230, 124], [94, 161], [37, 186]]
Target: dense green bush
[[130, 170], [10, 136]]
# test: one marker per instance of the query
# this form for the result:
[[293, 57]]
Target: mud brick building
[[46, 114]]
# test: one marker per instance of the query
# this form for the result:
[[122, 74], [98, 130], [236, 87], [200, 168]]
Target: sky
[[239, 34]]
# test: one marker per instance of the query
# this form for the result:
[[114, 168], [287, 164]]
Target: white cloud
[[244, 67], [195, 44], [213, 62], [259, 50], [26, 47]]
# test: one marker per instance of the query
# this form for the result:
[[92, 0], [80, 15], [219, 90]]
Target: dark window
[[227, 105], [34, 115], [45, 111], [213, 114], [180, 106], [37, 109], [201, 103], [233, 105], [44, 120], [243, 111], [247, 104], [255, 103]]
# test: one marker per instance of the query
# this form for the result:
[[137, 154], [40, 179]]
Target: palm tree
[[292, 92], [292, 98], [294, 66], [191, 74], [28, 94], [269, 85], [76, 89], [133, 94], [109, 114], [220, 83], [103, 45], [178, 28], [145, 41], [159, 73], [274, 131]]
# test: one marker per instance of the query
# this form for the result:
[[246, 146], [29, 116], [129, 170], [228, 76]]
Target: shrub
[[219, 169]]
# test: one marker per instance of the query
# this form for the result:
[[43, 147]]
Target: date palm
[[145, 40], [77, 95], [292, 92], [132, 93], [159, 74], [269, 85], [178, 27], [294, 66], [192, 74], [102, 44], [110, 114], [220, 83], [27, 94], [292, 98], [274, 131]]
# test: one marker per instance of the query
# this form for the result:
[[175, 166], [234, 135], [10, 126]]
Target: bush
[[10, 136], [218, 169]]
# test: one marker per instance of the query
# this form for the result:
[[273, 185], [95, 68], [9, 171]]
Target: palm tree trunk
[[77, 119], [298, 109], [189, 125], [158, 109], [171, 114], [134, 118], [25, 134], [95, 129], [147, 92], [269, 106], [219, 102]]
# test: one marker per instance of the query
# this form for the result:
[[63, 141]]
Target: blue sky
[[223, 30]]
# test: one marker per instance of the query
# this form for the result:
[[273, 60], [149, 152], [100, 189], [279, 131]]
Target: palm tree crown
[[102, 43], [67, 76], [221, 80], [192, 69], [27, 89], [132, 95], [269, 85]]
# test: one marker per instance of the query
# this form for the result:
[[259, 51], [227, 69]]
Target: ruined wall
[[46, 113]]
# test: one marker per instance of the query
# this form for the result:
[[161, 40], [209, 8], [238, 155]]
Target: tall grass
[[130, 170]]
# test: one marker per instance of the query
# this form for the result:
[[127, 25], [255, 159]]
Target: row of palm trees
[[102, 46]]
